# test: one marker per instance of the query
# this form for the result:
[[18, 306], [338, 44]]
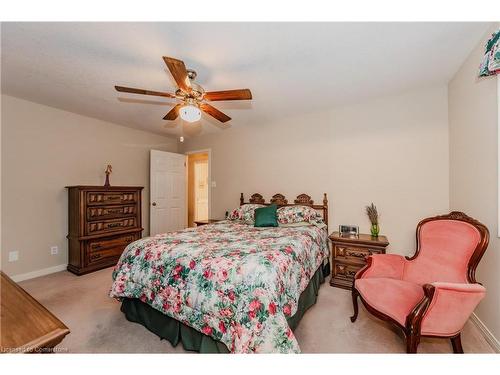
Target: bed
[[227, 286]]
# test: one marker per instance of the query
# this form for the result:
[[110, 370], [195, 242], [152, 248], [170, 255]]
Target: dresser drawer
[[110, 212], [106, 249], [111, 197], [96, 227], [355, 254]]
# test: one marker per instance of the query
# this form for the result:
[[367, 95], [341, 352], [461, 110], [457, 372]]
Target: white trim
[[498, 155], [490, 338], [42, 272], [209, 151]]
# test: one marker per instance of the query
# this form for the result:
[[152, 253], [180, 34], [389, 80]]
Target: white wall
[[473, 121], [45, 149], [392, 151]]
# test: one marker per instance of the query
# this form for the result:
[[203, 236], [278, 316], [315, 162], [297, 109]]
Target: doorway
[[198, 180]]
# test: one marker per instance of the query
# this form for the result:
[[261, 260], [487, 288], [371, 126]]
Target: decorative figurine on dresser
[[349, 254], [102, 220]]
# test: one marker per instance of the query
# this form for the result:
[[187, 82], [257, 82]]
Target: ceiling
[[291, 68]]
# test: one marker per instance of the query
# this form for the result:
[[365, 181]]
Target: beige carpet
[[98, 326]]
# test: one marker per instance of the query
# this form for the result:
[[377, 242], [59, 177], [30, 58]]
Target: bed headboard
[[280, 200]]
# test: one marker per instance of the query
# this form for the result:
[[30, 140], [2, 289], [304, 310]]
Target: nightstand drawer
[[355, 254], [343, 274], [345, 270]]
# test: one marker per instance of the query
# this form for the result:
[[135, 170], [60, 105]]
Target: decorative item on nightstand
[[372, 213], [349, 256], [348, 230]]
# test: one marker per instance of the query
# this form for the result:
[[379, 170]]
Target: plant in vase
[[372, 213]]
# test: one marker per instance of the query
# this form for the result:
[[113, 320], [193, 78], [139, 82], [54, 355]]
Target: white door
[[168, 192]]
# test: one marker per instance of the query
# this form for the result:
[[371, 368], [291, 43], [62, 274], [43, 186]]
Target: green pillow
[[266, 216]]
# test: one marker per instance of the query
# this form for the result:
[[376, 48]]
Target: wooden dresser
[[26, 326], [102, 222], [349, 256]]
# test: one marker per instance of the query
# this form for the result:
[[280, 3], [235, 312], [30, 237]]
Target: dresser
[[27, 326], [102, 222], [349, 256]]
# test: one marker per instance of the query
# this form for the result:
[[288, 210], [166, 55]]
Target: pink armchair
[[434, 292]]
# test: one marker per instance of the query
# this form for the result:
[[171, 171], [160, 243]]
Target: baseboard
[[492, 340], [38, 273]]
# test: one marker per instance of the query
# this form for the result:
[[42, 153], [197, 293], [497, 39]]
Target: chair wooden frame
[[412, 327]]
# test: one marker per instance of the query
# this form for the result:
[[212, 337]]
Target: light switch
[[214, 184]]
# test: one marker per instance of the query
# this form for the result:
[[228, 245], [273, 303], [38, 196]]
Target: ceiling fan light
[[190, 113]]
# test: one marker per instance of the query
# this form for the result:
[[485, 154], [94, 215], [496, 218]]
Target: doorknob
[[154, 203]]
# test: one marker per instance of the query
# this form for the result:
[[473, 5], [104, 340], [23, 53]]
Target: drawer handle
[[96, 246], [113, 197], [95, 256], [114, 211], [114, 225], [357, 255]]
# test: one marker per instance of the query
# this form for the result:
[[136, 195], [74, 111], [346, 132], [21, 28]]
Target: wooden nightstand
[[349, 256], [199, 223]]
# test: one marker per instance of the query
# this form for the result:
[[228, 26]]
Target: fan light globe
[[190, 113]]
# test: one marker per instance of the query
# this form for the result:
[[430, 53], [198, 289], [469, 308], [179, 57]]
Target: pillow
[[297, 214], [244, 213], [266, 216]]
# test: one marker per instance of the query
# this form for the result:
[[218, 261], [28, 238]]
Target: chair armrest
[[383, 265], [450, 307], [457, 287]]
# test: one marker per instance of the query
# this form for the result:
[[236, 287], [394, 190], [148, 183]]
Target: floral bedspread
[[228, 280]]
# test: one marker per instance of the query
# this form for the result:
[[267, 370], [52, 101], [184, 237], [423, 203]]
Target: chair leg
[[456, 343], [412, 341], [354, 304]]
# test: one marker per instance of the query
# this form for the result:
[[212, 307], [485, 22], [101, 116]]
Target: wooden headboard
[[280, 200]]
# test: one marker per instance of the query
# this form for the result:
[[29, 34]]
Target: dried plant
[[372, 213]]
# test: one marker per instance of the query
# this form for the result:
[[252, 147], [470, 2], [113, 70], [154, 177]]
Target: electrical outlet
[[13, 256], [54, 250]]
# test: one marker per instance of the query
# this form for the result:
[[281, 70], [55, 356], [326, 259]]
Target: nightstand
[[349, 256], [199, 223]]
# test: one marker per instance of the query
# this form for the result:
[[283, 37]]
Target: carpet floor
[[98, 326]]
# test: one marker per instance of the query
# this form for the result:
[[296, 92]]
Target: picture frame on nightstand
[[348, 230]]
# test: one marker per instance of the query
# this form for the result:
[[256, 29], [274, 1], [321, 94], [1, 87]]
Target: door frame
[[209, 152]]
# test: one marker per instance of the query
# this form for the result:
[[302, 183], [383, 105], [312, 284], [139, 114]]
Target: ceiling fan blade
[[144, 92], [179, 72], [241, 94], [173, 113], [214, 112]]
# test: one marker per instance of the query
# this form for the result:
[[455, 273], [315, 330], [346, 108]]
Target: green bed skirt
[[174, 331]]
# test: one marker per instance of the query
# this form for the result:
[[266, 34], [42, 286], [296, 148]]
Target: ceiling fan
[[192, 96]]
